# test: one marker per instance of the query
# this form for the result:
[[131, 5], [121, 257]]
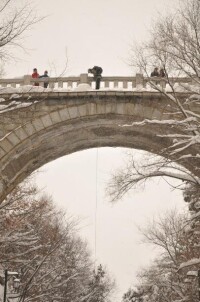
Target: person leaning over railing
[[96, 71]]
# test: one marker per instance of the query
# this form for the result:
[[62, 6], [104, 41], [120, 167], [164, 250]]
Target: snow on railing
[[109, 82]]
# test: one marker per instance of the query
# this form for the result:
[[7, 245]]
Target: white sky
[[96, 33], [93, 32]]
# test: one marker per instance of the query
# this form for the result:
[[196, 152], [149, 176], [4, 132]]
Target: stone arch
[[73, 125]]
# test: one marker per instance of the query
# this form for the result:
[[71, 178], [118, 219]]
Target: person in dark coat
[[162, 73], [155, 73], [45, 75], [96, 71], [35, 75]]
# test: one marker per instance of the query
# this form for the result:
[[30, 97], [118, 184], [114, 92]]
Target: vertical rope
[[96, 207]]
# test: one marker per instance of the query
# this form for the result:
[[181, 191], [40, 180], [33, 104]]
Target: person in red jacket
[[35, 75]]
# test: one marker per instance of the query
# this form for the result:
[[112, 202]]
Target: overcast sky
[[92, 32], [88, 33]]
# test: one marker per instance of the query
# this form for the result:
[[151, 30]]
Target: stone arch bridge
[[38, 127]]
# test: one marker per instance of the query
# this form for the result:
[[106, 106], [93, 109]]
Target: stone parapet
[[108, 82]]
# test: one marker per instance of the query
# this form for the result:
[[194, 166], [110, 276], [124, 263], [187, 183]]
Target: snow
[[197, 205], [187, 228], [194, 97], [86, 87], [194, 261], [83, 87], [62, 89], [192, 273], [7, 90], [14, 105], [195, 215], [16, 93], [15, 96], [3, 107], [164, 122]]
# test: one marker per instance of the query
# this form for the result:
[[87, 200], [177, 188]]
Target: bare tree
[[15, 22], [100, 287], [136, 173], [163, 280], [174, 45], [42, 244]]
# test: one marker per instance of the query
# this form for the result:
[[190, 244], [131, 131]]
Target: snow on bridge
[[72, 83], [12, 90], [38, 125]]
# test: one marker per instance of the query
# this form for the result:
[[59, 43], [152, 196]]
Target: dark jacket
[[96, 71], [162, 73], [155, 73], [44, 76]]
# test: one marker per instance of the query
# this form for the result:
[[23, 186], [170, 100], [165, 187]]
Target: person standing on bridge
[[45, 75], [96, 71], [162, 73], [35, 75], [155, 73]]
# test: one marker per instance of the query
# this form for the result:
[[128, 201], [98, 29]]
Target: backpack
[[98, 70]]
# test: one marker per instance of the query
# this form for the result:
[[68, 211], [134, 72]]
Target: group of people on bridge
[[35, 75], [158, 73], [96, 71]]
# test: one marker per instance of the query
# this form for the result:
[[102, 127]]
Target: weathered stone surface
[[2, 152], [6, 145], [29, 129], [73, 112], [82, 110], [61, 123], [111, 107], [21, 133], [38, 125], [46, 120], [64, 114], [55, 117], [13, 139]]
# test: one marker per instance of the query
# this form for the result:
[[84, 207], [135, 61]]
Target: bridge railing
[[107, 82]]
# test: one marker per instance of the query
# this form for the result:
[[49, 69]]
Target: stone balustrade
[[109, 82]]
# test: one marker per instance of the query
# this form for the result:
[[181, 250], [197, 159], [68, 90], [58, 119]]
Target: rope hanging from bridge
[[96, 208]]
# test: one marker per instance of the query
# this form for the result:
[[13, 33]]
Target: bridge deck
[[72, 82]]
